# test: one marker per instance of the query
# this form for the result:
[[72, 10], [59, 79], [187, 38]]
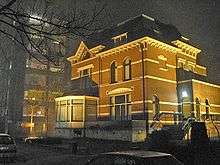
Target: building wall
[[161, 79], [158, 81], [208, 91]]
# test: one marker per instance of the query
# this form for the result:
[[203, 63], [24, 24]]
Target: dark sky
[[198, 20]]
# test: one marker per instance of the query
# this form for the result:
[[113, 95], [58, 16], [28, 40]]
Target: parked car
[[7, 147], [32, 139], [134, 158]]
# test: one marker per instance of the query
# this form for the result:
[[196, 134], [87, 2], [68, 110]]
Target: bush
[[159, 140]]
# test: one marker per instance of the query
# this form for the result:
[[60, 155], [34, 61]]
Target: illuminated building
[[43, 82], [135, 71]]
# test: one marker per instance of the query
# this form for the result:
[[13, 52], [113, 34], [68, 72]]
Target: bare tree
[[41, 27]]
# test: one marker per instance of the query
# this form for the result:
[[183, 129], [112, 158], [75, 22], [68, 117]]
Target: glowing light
[[184, 94]]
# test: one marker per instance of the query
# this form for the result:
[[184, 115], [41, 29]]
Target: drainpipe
[[143, 48], [99, 86]]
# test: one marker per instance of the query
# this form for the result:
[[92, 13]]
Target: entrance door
[[120, 107]]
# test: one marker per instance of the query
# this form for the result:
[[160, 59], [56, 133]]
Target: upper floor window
[[113, 71], [85, 72], [127, 69]]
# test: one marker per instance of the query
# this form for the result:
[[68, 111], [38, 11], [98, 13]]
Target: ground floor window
[[120, 107], [69, 110]]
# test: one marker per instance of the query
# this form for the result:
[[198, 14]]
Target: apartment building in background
[[133, 77], [43, 82]]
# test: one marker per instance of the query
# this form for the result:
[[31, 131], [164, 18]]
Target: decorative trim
[[160, 79], [119, 91], [85, 67], [199, 66], [205, 83]]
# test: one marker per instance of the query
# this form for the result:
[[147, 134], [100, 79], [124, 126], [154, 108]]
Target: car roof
[[142, 154], [4, 134]]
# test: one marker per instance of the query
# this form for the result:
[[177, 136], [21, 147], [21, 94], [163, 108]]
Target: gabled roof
[[79, 53]]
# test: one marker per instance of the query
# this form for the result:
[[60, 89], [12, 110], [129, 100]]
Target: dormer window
[[85, 71], [122, 38]]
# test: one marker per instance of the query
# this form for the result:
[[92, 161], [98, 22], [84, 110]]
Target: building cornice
[[136, 43]]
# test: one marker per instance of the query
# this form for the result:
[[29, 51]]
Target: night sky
[[198, 20]]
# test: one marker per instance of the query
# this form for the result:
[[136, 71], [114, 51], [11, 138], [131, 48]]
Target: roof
[[142, 154], [137, 27]]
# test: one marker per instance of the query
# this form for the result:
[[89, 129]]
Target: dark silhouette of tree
[[41, 27]]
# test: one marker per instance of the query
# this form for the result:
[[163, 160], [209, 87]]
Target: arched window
[[113, 70], [197, 109], [156, 105], [207, 105], [127, 69]]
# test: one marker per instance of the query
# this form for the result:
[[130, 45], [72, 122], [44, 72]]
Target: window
[[120, 107], [85, 72], [127, 69], [113, 71], [69, 110]]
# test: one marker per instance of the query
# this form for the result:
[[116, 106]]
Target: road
[[45, 155]]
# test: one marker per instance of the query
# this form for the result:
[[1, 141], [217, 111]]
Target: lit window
[[113, 72], [85, 72], [127, 69], [120, 107]]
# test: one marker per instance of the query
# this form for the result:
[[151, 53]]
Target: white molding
[[160, 79], [205, 83], [85, 67]]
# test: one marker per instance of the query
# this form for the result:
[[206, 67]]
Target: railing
[[212, 121], [157, 118], [187, 125]]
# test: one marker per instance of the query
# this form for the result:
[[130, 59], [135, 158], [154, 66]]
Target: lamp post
[[143, 47]]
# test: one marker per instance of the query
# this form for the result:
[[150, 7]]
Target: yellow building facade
[[140, 76]]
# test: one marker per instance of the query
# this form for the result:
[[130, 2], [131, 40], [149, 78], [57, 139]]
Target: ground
[[38, 154]]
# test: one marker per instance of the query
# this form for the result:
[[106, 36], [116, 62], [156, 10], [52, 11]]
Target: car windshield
[[6, 140]]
